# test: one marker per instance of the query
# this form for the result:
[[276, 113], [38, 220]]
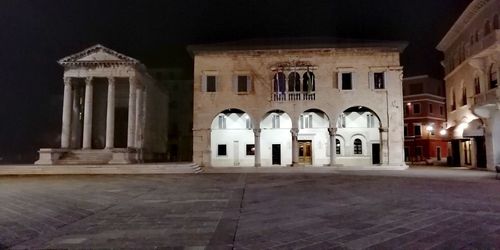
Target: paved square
[[348, 210]]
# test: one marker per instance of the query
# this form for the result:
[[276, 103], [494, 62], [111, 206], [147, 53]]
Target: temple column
[[131, 112], [66, 119], [87, 117], [295, 146], [110, 114], [332, 132], [138, 116], [256, 133]]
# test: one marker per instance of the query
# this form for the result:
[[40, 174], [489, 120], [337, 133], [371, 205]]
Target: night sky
[[35, 34]]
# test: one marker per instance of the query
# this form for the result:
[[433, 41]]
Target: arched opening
[[279, 86], [232, 139], [275, 139], [360, 126], [493, 76], [313, 138], [309, 85]]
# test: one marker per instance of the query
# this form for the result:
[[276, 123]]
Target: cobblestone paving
[[251, 211]]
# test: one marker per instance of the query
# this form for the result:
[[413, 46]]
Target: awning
[[475, 128]]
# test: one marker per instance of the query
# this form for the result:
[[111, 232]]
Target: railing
[[293, 96], [489, 97]]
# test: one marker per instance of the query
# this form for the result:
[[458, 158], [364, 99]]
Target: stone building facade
[[471, 61], [426, 137], [113, 111], [295, 102]]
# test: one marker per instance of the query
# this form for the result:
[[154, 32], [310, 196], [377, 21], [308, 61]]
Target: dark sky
[[35, 34]]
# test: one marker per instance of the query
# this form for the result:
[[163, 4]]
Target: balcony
[[293, 96], [490, 97], [485, 43]]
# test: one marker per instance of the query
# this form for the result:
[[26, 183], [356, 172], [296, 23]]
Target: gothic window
[[477, 86], [493, 76], [495, 22], [464, 96], [337, 146], [358, 147], [487, 28], [308, 82], [279, 82], [294, 82]]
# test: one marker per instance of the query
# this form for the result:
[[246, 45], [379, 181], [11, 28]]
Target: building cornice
[[74, 59], [462, 22]]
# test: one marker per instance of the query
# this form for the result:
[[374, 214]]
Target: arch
[[493, 76], [487, 27], [294, 82], [363, 146], [309, 82], [317, 124], [267, 121], [279, 82], [340, 145], [342, 121], [220, 120]]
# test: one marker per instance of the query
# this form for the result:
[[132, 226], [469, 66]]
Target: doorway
[[276, 154], [480, 152], [438, 153], [305, 152], [375, 153]]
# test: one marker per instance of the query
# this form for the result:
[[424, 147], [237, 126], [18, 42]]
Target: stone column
[[66, 119], [295, 146], [138, 116], [332, 132], [256, 133], [87, 117], [110, 114], [131, 112]]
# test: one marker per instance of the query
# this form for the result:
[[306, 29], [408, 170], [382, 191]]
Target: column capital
[[67, 80], [332, 131], [294, 131], [381, 130], [111, 80], [257, 131], [88, 80]]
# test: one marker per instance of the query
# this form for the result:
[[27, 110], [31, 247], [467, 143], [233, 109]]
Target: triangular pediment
[[97, 54]]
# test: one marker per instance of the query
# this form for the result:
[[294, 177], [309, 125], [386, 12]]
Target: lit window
[[276, 121], [222, 121], [337, 146], [358, 147]]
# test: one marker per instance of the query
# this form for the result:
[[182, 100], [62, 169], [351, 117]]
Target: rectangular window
[[248, 123], [242, 83], [276, 121], [379, 80], [337, 146], [370, 121], [222, 121], [417, 131], [416, 108], [477, 86], [407, 109], [221, 150], [347, 81], [441, 110], [305, 121], [250, 149], [211, 83], [430, 108], [406, 130]]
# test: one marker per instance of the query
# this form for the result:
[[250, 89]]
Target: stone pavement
[[413, 209]]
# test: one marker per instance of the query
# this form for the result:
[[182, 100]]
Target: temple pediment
[[97, 54]]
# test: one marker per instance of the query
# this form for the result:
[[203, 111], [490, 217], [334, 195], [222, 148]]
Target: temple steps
[[84, 157]]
